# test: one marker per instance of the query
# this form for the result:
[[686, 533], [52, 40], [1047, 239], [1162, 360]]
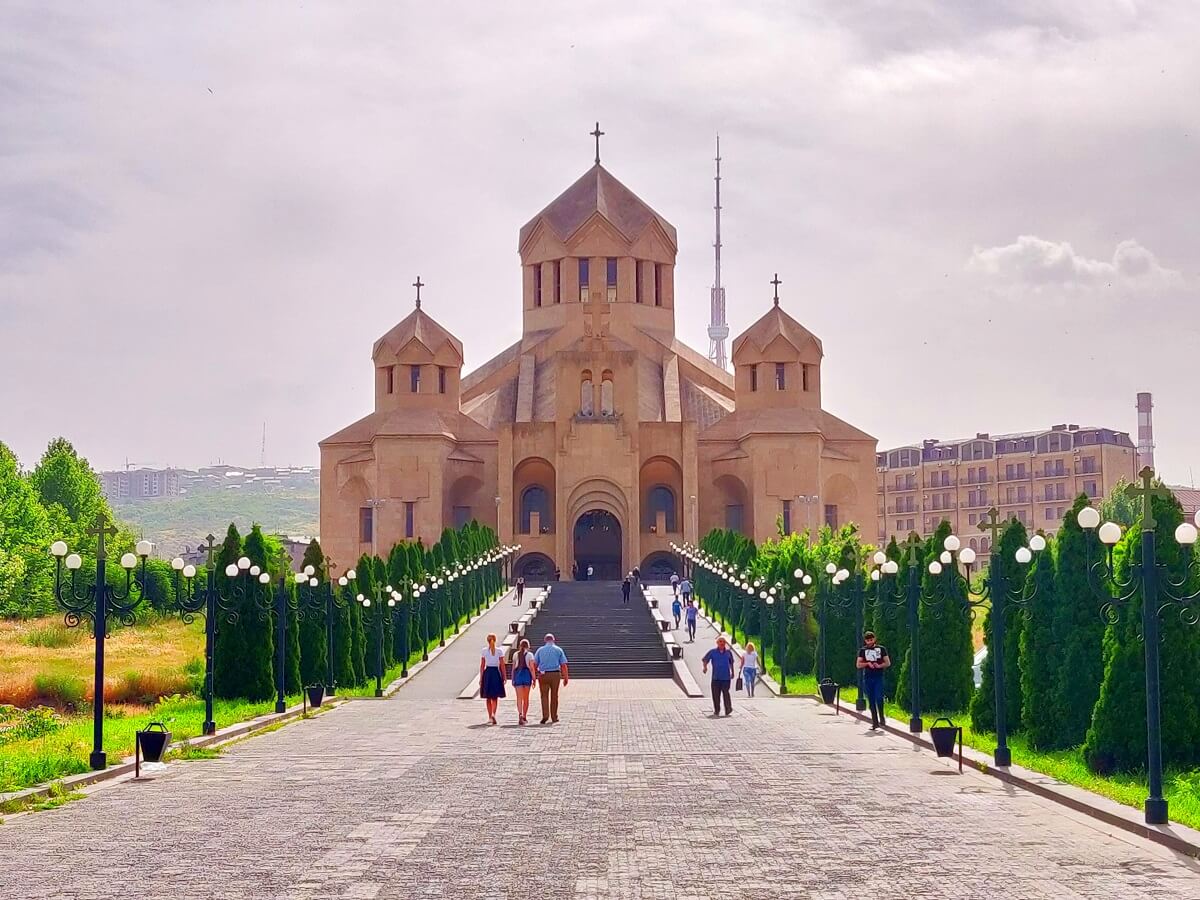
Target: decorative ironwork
[[98, 603]]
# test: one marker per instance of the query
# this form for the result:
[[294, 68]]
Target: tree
[[26, 569], [70, 492], [1003, 565], [1119, 507], [889, 620], [279, 564], [1078, 631], [313, 640], [343, 636], [1040, 649], [258, 637], [947, 652], [1116, 740]]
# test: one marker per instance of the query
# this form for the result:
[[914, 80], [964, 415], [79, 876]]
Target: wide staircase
[[602, 637]]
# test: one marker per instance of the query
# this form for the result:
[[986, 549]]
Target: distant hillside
[[184, 520]]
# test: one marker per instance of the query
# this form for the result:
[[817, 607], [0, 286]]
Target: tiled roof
[[598, 191], [773, 323], [791, 420], [412, 422], [420, 325]]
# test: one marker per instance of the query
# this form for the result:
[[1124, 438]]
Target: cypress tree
[[947, 652], [1116, 740], [313, 638], [358, 658], [889, 619], [258, 635], [343, 636], [229, 646], [1041, 646], [1079, 631], [369, 587], [983, 704]]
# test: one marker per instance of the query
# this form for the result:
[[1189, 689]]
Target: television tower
[[718, 331]]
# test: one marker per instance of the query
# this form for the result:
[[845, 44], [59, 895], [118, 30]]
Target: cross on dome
[[775, 281], [597, 134], [418, 284]]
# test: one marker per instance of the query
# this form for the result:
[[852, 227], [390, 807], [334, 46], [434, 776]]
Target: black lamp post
[[423, 589], [841, 602], [319, 597], [998, 595], [377, 609], [1153, 582], [95, 602], [209, 602]]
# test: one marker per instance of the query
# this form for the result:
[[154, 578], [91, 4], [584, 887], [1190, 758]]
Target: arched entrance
[[535, 568], [598, 544]]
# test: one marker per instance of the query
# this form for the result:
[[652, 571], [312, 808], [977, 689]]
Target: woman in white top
[[749, 671], [491, 676], [523, 674]]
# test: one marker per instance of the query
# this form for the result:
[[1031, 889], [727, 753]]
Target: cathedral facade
[[598, 438]]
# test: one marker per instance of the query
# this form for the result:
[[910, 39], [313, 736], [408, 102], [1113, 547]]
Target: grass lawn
[[64, 750], [41, 659]]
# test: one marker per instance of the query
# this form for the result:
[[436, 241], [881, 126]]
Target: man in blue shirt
[[690, 613], [722, 661], [551, 664], [676, 610]]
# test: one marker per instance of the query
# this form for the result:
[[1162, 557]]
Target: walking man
[[676, 610], [520, 589], [551, 663], [691, 621], [625, 586], [674, 584], [873, 658], [721, 659], [685, 589]]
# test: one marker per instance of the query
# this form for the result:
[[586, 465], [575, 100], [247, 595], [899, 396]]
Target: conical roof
[[773, 324], [421, 326], [597, 191]]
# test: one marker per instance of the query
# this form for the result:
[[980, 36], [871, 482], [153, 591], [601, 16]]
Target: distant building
[[139, 484], [1034, 476], [1189, 499]]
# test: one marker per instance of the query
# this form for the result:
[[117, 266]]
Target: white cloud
[[1035, 262]]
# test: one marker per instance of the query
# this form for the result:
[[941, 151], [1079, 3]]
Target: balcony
[[1065, 473], [983, 503], [977, 481], [1015, 477]]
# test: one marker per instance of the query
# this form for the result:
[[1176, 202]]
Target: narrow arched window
[[535, 499], [586, 394], [606, 393], [661, 500]]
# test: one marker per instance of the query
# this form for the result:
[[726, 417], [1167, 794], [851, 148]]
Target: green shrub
[[53, 636], [61, 691]]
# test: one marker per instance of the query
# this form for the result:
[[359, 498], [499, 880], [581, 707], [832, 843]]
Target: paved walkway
[[636, 794], [445, 676]]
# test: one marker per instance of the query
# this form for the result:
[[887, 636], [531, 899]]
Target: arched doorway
[[658, 567], [535, 568], [598, 544]]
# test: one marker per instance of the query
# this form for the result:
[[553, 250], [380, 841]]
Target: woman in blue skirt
[[491, 676]]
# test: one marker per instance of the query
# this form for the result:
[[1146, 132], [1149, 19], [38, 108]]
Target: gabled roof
[[772, 325], [412, 423], [418, 325], [790, 420], [597, 192]]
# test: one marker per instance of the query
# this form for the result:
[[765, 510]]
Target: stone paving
[[637, 793]]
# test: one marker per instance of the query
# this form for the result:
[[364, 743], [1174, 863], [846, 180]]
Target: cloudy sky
[[986, 211]]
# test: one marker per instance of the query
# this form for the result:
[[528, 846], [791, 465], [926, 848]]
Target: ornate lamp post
[[998, 595], [1159, 590], [377, 610], [426, 597], [210, 603], [95, 602]]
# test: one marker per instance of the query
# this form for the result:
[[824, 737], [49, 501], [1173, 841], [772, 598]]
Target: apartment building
[[138, 484], [1034, 476]]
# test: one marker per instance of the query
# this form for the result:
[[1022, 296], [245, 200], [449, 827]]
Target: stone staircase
[[602, 637]]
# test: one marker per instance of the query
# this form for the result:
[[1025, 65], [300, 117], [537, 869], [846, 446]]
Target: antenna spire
[[718, 330]]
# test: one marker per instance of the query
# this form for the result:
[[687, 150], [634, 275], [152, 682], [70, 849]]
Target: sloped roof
[[421, 326], [791, 420], [597, 191], [412, 422], [773, 324]]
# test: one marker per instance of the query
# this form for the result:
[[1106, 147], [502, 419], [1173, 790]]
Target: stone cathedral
[[598, 438]]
